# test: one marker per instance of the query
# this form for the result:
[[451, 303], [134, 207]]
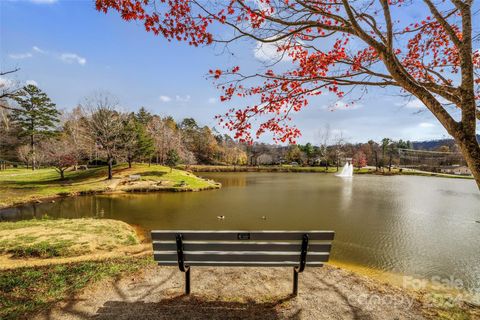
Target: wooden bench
[[187, 248]]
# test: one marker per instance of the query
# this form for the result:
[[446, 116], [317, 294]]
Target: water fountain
[[347, 171]]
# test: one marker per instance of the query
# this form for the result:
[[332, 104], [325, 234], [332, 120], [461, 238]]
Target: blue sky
[[70, 50]]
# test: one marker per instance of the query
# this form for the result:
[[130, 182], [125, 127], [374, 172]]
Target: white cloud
[[212, 100], [20, 55], [73, 57], [426, 125], [165, 98], [37, 49], [183, 99], [268, 52], [412, 104], [32, 82]]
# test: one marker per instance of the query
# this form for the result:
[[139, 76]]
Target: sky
[[70, 50]]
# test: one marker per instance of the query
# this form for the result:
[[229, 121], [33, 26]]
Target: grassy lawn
[[24, 291], [63, 237], [32, 287], [22, 185]]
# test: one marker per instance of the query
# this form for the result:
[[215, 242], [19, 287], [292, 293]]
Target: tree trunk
[[129, 163], [32, 148], [62, 174], [471, 151], [110, 165]]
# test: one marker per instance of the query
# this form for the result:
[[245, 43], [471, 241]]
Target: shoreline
[[30, 187], [331, 170], [102, 271], [41, 200]]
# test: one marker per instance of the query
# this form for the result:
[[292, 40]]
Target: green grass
[[24, 291], [21, 185]]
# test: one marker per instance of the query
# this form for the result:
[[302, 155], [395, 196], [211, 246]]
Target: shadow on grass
[[184, 307], [153, 173]]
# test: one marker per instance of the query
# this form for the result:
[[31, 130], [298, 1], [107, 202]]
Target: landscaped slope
[[21, 185]]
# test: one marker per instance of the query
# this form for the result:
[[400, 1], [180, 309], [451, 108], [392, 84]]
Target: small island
[[19, 185]]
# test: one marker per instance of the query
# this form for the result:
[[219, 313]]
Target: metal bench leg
[[301, 267], [295, 282], [187, 281]]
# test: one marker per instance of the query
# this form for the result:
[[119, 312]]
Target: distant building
[[456, 169]]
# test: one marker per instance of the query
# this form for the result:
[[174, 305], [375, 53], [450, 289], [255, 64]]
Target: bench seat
[[232, 248]]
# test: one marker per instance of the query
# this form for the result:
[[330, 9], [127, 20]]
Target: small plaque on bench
[[243, 236]]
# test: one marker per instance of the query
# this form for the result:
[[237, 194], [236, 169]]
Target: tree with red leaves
[[333, 46], [359, 159]]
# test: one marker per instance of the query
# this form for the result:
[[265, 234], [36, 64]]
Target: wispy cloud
[[25, 55], [269, 52], [182, 99], [31, 82], [341, 105], [426, 125], [412, 104], [72, 58], [165, 98], [37, 1], [212, 100], [66, 57], [38, 50], [43, 1]]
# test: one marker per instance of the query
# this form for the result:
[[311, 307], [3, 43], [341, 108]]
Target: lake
[[408, 225]]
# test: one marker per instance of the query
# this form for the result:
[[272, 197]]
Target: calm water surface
[[417, 226]]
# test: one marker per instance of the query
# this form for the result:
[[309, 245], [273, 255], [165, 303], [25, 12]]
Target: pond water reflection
[[411, 225]]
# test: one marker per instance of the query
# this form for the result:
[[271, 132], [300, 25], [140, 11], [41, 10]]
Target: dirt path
[[239, 293]]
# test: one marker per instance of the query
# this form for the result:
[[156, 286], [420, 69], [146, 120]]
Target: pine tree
[[143, 116], [172, 159], [36, 115]]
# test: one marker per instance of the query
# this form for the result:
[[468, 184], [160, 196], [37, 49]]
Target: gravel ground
[[239, 293]]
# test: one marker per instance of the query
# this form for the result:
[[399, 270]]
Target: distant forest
[[34, 133]]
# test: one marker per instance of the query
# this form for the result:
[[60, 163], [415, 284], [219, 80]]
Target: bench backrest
[[241, 248]]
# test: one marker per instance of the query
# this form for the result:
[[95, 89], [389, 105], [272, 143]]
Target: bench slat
[[241, 246], [241, 235], [240, 256], [241, 264]]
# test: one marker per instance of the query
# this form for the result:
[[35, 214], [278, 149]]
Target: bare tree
[[24, 154], [77, 133], [8, 89], [59, 153], [104, 122], [166, 137], [324, 139]]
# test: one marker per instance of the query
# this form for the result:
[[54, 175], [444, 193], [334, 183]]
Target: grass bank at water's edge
[[18, 186], [290, 168]]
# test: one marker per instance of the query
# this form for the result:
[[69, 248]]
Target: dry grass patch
[[63, 237]]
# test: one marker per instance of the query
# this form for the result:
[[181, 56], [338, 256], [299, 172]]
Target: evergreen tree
[[143, 116], [172, 158], [145, 144], [36, 116]]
